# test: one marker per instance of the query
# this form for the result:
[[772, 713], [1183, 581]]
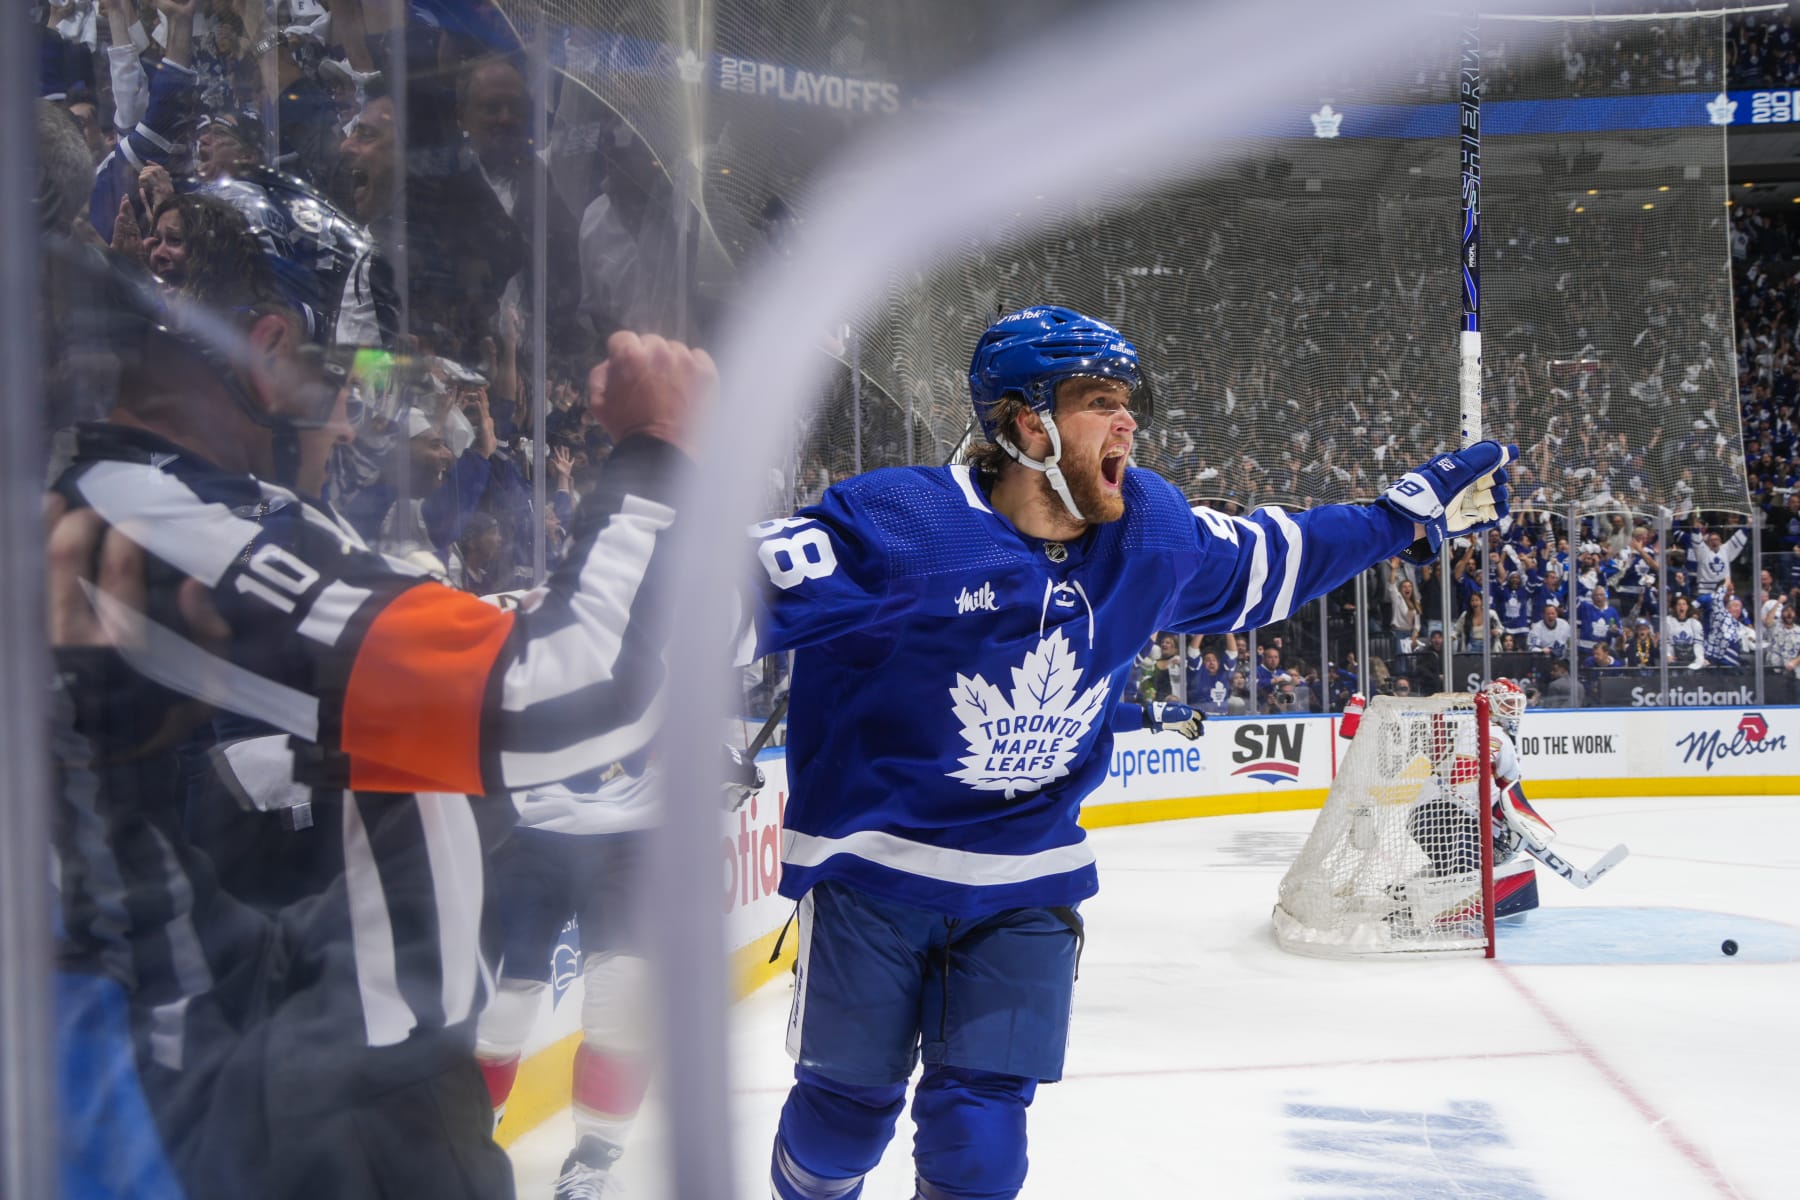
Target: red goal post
[[1400, 862]]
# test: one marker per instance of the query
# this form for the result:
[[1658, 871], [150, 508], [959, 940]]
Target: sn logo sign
[[1268, 753]]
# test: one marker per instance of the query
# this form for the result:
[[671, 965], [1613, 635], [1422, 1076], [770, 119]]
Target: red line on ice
[[1322, 1064], [1658, 1120]]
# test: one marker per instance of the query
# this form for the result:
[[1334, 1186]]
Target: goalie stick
[[1570, 871], [1532, 846], [1524, 826]]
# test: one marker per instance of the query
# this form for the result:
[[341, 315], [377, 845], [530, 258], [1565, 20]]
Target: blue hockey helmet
[[1027, 353]]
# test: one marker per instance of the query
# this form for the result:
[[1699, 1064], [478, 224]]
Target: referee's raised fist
[[652, 385]]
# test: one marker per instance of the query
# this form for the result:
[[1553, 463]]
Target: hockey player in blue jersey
[[962, 636]]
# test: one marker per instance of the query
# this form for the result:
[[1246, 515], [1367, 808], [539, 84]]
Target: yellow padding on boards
[[542, 1088], [1137, 812]]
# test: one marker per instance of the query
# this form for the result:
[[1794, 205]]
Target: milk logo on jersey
[[979, 600], [1269, 753], [1022, 741]]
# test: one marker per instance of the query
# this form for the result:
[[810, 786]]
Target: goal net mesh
[[1394, 863], [1299, 311]]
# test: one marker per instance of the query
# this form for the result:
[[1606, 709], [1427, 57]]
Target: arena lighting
[[1581, 208], [1663, 188], [1593, 191], [1649, 206]]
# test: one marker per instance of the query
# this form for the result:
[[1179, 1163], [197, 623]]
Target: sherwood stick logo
[[1269, 753], [1709, 747]]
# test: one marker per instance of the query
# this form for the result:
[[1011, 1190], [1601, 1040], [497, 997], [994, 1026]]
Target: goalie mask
[[1026, 354], [1506, 700]]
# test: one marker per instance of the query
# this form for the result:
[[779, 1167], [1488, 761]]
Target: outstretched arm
[[397, 683], [1261, 567]]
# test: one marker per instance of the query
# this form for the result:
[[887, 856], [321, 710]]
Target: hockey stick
[[1568, 870], [1469, 344], [768, 727]]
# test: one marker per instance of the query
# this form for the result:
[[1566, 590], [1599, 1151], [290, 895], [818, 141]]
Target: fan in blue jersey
[[999, 605]]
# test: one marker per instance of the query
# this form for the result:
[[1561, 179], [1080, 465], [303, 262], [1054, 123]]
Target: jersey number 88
[[793, 560]]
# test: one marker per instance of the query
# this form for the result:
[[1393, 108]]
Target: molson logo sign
[[1708, 747], [1268, 753]]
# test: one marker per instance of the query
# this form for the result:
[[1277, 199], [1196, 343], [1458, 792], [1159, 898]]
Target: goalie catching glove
[[1162, 717], [1453, 494]]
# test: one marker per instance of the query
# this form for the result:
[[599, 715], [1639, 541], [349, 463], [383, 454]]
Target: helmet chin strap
[[1052, 472]]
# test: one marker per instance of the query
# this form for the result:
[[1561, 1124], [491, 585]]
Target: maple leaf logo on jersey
[[1020, 743]]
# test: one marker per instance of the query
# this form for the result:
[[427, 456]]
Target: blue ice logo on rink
[[1387, 1153]]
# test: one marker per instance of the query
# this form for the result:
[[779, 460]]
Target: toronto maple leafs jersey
[[954, 678]]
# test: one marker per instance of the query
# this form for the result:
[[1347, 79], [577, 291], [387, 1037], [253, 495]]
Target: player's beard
[[1097, 502]]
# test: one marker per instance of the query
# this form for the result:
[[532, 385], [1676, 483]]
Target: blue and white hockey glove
[[1453, 494], [1170, 717]]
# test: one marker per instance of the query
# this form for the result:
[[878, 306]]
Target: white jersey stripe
[[171, 660], [327, 616], [165, 517], [965, 480], [1284, 599], [529, 768], [1259, 571], [585, 653], [971, 868], [387, 1017], [454, 848]]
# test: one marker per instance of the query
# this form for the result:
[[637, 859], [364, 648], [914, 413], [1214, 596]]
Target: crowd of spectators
[[331, 224], [204, 117], [1718, 616], [1762, 50], [1558, 617]]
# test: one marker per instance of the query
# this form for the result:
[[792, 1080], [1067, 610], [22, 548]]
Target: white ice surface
[[1630, 1059]]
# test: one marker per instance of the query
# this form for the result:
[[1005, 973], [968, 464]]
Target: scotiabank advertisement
[[750, 859]]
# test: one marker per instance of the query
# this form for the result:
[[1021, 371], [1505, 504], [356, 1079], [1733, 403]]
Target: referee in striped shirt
[[327, 1049]]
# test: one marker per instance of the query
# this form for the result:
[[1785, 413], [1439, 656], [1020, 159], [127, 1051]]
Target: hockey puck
[[1729, 947]]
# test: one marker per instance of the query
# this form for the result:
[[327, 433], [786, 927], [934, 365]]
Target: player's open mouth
[[1112, 466]]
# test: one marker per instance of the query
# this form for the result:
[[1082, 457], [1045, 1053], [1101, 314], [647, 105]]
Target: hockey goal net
[[1401, 859]]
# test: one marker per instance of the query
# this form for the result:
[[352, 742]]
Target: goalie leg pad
[[971, 1134], [1517, 893], [831, 1135]]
